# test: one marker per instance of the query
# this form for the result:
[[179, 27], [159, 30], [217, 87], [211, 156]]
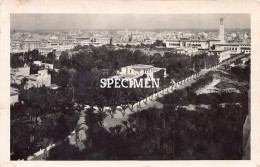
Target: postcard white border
[[129, 7]]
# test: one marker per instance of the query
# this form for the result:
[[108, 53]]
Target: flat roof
[[82, 37], [140, 66], [245, 48], [31, 40], [227, 44], [214, 40], [157, 69], [50, 48], [218, 50], [189, 40]]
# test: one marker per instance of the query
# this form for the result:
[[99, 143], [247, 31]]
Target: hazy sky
[[122, 21]]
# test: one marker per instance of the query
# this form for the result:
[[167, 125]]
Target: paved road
[[149, 102]]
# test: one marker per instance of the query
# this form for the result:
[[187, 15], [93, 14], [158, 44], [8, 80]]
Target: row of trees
[[164, 134], [45, 116], [88, 59], [90, 64], [20, 59], [172, 132]]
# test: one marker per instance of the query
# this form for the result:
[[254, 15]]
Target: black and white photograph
[[130, 86]]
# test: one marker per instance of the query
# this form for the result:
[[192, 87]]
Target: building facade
[[140, 70], [221, 54]]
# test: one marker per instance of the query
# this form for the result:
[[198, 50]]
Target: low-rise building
[[147, 41], [103, 41], [40, 79], [18, 74], [187, 43], [31, 44], [83, 40], [45, 50], [245, 48], [45, 66], [202, 44], [173, 43], [140, 70], [222, 54], [234, 48], [43, 78]]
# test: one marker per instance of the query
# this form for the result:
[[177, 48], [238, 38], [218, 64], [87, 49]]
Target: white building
[[214, 42], [235, 47], [221, 54], [45, 51], [17, 74], [46, 66], [187, 43], [147, 41], [139, 70], [173, 43], [103, 41], [43, 78], [246, 50], [83, 40], [15, 46], [30, 44], [40, 79], [65, 46], [201, 44]]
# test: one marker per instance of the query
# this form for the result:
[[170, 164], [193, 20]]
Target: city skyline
[[32, 22]]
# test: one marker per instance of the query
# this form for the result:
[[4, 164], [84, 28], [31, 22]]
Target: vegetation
[[45, 116], [163, 134], [172, 132], [41, 119]]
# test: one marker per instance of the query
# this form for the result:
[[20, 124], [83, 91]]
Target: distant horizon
[[52, 22]]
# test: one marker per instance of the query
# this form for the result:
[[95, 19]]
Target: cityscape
[[130, 87]]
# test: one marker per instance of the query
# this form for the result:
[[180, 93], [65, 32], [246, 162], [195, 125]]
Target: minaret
[[221, 30]]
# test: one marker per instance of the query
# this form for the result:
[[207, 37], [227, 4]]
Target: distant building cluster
[[188, 40], [223, 46], [222, 43]]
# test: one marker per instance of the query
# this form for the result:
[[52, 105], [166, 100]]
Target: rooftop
[[31, 40], [227, 44], [155, 69], [218, 50], [140, 66]]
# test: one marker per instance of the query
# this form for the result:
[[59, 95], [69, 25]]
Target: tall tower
[[221, 30]]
